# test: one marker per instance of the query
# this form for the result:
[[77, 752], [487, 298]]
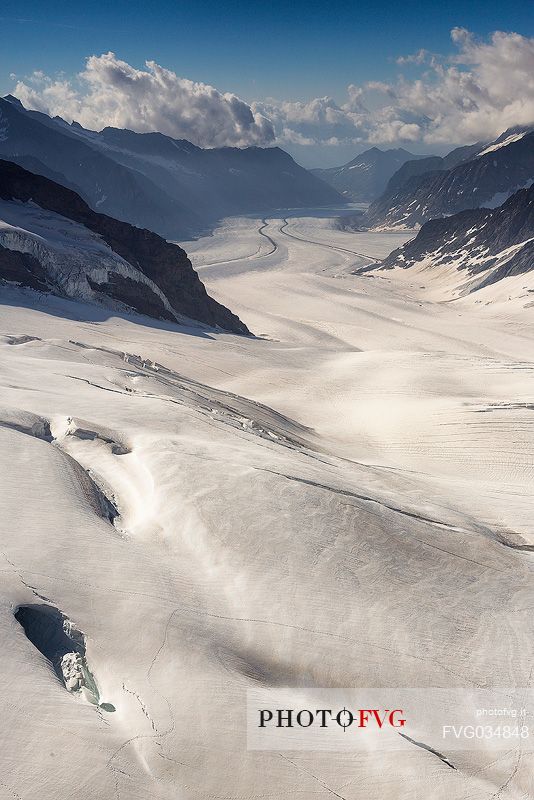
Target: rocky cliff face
[[51, 240], [482, 246], [489, 175]]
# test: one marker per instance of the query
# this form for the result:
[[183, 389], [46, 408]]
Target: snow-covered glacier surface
[[344, 501]]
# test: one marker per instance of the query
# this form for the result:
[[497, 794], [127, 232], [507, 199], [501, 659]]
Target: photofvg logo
[[324, 717], [439, 720]]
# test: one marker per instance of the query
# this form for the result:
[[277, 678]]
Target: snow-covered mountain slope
[[411, 169], [476, 249], [487, 177], [50, 240], [167, 185], [365, 177], [343, 502]]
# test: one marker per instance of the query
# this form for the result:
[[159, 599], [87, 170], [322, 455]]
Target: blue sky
[[280, 49], [321, 79]]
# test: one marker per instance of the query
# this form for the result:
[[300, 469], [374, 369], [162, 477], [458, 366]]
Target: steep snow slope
[[73, 257], [343, 502]]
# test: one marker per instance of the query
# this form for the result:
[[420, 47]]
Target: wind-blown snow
[[341, 501]]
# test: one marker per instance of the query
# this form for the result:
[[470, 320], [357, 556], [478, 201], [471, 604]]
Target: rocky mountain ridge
[[485, 175], [154, 181]]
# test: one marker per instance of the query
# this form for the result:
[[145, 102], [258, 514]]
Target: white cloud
[[415, 58], [111, 92], [474, 93]]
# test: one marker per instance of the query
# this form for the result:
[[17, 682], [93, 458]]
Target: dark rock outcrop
[[163, 263], [24, 269]]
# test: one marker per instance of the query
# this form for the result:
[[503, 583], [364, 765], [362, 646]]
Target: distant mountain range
[[475, 248], [154, 181], [51, 241], [365, 177], [469, 177]]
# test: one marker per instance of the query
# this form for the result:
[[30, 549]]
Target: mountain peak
[[151, 180], [14, 101], [365, 177]]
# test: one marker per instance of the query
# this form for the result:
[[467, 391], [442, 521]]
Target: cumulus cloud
[[111, 92], [414, 58], [482, 88], [473, 93]]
